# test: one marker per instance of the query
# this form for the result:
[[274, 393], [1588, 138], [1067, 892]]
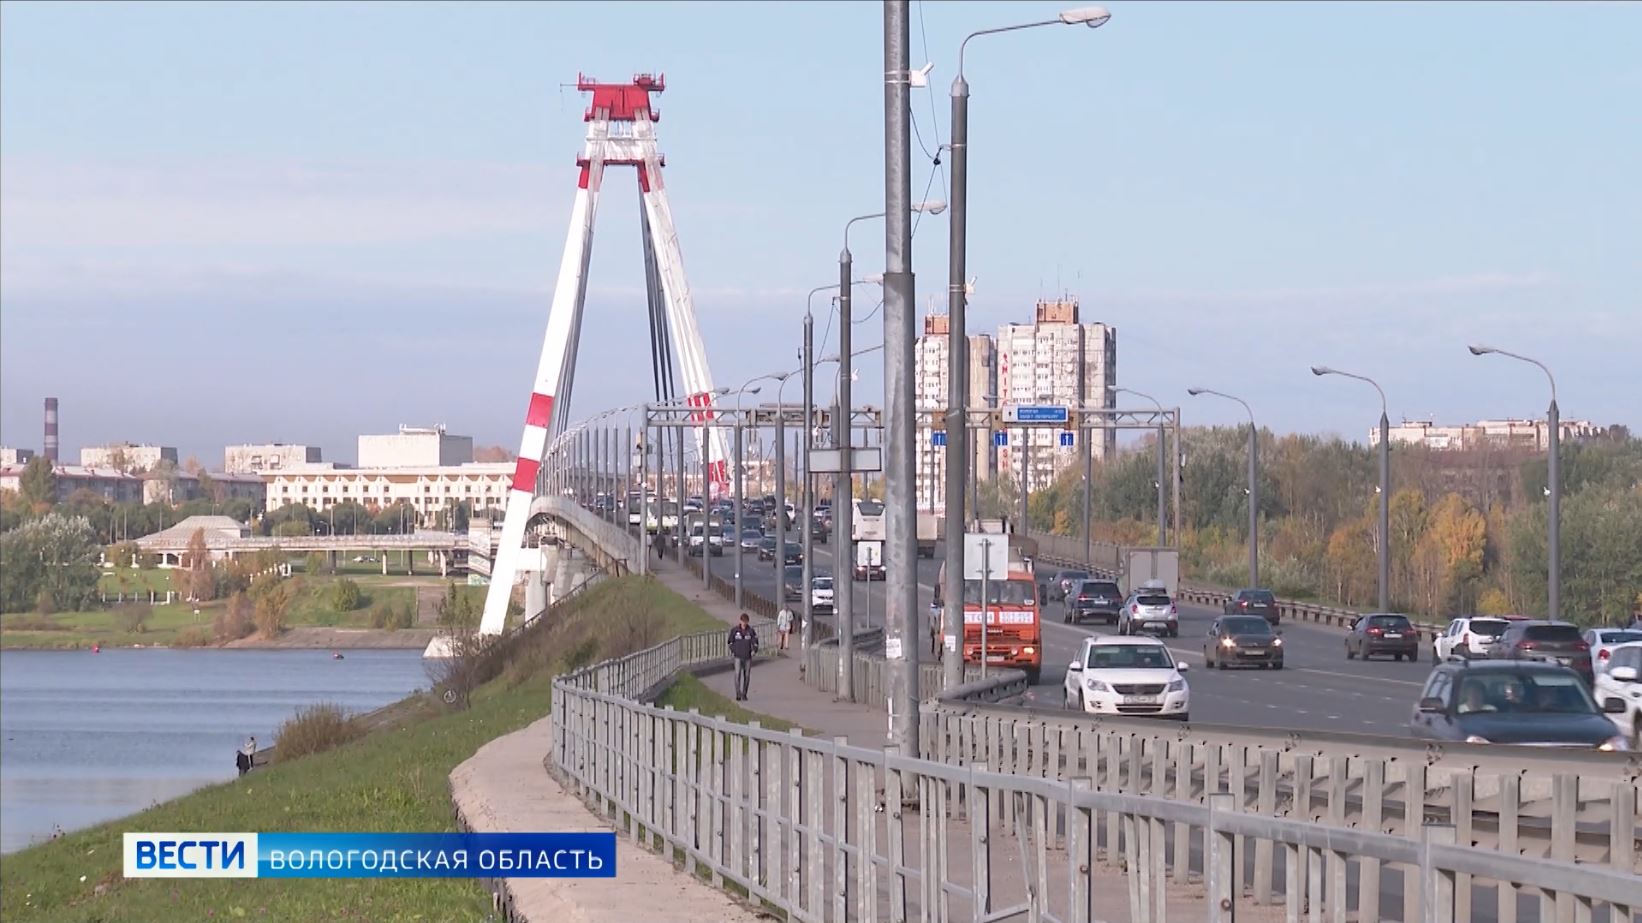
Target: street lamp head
[[1092, 16], [1321, 370], [930, 206], [1194, 391], [1481, 350]]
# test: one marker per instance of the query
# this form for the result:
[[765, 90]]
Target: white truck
[[868, 531], [1142, 565], [929, 529]]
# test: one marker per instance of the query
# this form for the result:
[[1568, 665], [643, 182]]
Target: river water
[[86, 738]]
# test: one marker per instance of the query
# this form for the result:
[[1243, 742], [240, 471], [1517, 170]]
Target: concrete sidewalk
[[776, 688], [503, 788]]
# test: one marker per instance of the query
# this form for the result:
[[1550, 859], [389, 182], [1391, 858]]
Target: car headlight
[[1029, 650], [1277, 642], [1475, 739], [1178, 685], [1095, 685], [1228, 642], [1616, 743]]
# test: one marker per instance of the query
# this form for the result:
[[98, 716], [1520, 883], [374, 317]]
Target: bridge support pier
[[383, 554]]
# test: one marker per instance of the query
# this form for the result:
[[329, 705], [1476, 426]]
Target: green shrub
[[33, 623], [134, 618], [345, 595], [194, 636], [314, 730]]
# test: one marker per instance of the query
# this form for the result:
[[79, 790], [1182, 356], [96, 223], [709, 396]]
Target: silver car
[[1149, 609]]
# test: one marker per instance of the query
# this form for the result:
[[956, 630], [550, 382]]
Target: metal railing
[[825, 831]]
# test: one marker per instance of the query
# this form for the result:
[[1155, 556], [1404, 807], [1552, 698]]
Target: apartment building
[[1059, 360]]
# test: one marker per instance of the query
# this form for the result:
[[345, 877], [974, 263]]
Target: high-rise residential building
[[930, 384], [1057, 360], [270, 456], [415, 446], [126, 456]]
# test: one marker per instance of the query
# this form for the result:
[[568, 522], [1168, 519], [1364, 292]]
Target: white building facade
[[416, 447], [429, 489], [1054, 360], [930, 385], [256, 458], [1531, 435], [126, 456], [10, 456]]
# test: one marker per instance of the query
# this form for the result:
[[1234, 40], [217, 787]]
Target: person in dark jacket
[[743, 644]]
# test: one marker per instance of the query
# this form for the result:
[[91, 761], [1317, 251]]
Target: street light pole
[[1553, 473], [1384, 537], [957, 384], [1254, 483]]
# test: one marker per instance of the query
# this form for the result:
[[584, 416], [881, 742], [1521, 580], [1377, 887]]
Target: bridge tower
[[621, 131]]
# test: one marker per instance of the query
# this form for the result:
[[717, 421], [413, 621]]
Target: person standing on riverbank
[[247, 756]]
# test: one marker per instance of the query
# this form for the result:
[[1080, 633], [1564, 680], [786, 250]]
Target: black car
[[766, 548], [794, 553], [820, 528], [792, 584], [1514, 702], [1252, 602], [1383, 634], [1242, 639], [1094, 599], [1553, 642]]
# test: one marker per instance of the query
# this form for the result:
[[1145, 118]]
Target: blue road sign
[[937, 438], [1068, 439], [1000, 438], [1043, 413]]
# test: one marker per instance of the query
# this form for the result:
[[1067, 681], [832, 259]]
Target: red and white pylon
[[621, 132]]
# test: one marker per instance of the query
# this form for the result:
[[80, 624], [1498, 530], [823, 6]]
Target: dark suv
[[1514, 702], [1553, 642], [1252, 602], [1094, 599], [1381, 634]]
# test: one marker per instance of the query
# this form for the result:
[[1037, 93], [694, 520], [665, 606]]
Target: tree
[[272, 598], [1352, 562], [491, 453], [55, 556], [202, 582], [236, 620], [459, 520], [38, 484], [345, 595]]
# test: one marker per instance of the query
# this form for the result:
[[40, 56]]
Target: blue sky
[[239, 222]]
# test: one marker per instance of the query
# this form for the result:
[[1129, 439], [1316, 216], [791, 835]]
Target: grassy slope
[[312, 606], [392, 780]]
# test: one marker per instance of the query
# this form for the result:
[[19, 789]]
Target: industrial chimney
[[51, 430]]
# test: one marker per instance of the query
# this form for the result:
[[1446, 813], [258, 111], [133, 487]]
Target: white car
[[1116, 675], [1623, 680], [821, 594], [1469, 637], [1604, 640]]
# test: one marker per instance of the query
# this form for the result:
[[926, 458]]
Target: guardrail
[[825, 831], [1063, 551]]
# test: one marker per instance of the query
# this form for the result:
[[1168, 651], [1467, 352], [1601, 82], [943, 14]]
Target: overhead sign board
[[843, 461], [986, 556], [1048, 414]]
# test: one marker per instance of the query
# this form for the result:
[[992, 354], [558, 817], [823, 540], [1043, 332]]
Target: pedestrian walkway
[[776, 688], [504, 788]]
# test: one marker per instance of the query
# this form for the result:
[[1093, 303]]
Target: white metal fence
[[825, 831]]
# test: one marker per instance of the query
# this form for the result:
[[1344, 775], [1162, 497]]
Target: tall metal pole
[[706, 503], [1553, 420], [679, 491], [1254, 504], [957, 390], [781, 511], [1385, 512], [739, 464], [1162, 484], [1177, 456], [644, 494], [1085, 435], [900, 416], [808, 490], [843, 490], [1026, 459]]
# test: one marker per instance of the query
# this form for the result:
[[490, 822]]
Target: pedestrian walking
[[247, 756], [660, 544], [743, 644], [783, 626]]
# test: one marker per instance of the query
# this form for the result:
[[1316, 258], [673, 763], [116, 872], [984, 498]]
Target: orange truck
[[1013, 620]]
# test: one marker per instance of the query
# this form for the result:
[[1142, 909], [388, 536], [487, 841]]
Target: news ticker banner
[[370, 855]]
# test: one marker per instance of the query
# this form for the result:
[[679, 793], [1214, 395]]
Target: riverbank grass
[[393, 779]]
